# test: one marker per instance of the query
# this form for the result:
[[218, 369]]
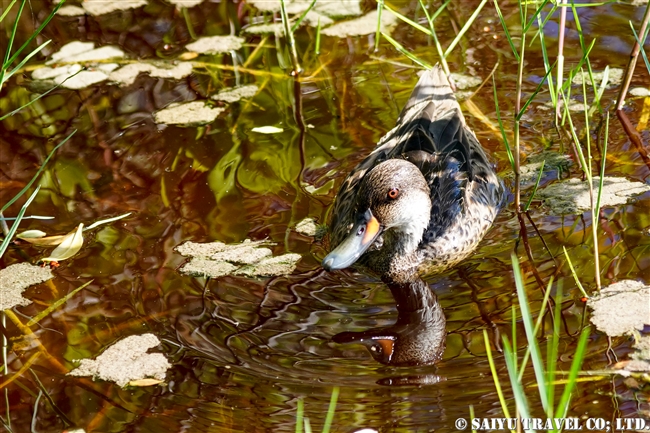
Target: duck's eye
[[393, 193]]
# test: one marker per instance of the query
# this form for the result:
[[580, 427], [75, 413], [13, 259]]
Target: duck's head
[[393, 201]]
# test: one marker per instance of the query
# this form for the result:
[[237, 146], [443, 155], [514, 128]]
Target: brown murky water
[[244, 351]]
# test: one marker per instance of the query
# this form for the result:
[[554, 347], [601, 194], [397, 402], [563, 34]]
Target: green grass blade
[[432, 27], [537, 89], [317, 47], [517, 389], [532, 195], [42, 95], [505, 29], [578, 357], [466, 27], [402, 50], [547, 63], [603, 84], [581, 156], [573, 272], [501, 127], [26, 59], [472, 415], [330, 410], [5, 62], [553, 349], [188, 23], [302, 17], [513, 327], [22, 191], [567, 84], [602, 166], [300, 411], [535, 16], [439, 11], [538, 364], [643, 53], [7, 9], [409, 21], [14, 226], [34, 34], [495, 376], [538, 324], [34, 320], [380, 8]]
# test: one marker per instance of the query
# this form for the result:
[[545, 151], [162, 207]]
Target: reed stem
[[631, 64]]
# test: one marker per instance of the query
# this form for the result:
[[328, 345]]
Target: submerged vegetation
[[294, 94]]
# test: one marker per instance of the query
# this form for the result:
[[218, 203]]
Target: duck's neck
[[401, 260], [404, 240]]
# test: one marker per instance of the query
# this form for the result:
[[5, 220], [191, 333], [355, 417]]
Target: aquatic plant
[[545, 371]]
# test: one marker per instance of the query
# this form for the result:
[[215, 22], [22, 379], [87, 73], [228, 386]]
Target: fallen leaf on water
[[48, 241], [31, 234], [106, 221], [145, 382], [267, 129], [69, 246]]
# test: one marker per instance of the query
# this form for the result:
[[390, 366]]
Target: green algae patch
[[15, 279], [331, 8], [621, 308], [187, 114], [234, 94], [552, 161], [126, 75], [309, 227], [215, 44], [126, 361], [100, 7], [571, 197], [249, 258], [365, 25]]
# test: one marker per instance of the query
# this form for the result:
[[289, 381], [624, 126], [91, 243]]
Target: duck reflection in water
[[417, 205], [418, 336]]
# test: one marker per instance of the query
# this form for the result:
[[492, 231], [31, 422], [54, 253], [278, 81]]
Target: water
[[244, 351]]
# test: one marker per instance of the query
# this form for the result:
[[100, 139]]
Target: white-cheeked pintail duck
[[423, 199]]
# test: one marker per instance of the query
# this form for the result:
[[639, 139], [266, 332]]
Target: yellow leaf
[[145, 382], [49, 241], [267, 129], [31, 234], [70, 245]]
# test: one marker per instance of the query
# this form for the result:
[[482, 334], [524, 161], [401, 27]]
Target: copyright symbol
[[461, 424]]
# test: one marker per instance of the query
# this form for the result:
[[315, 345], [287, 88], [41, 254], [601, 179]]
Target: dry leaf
[[145, 382], [49, 241], [31, 234], [70, 245], [267, 129]]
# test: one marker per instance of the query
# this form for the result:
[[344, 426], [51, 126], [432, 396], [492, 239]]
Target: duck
[[423, 199]]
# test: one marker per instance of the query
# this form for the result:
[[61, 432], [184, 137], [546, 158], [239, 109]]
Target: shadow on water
[[244, 351]]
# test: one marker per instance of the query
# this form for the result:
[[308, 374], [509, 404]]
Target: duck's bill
[[363, 234]]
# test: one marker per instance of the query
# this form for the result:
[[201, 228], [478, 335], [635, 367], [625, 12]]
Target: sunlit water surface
[[245, 351]]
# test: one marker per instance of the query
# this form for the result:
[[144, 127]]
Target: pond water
[[244, 351]]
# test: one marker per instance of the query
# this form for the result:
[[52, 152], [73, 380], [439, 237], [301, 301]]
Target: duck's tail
[[433, 86]]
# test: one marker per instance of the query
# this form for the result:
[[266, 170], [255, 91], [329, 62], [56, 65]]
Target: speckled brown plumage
[[431, 152]]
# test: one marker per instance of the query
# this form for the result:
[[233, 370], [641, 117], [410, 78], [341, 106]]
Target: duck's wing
[[431, 123], [431, 132]]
